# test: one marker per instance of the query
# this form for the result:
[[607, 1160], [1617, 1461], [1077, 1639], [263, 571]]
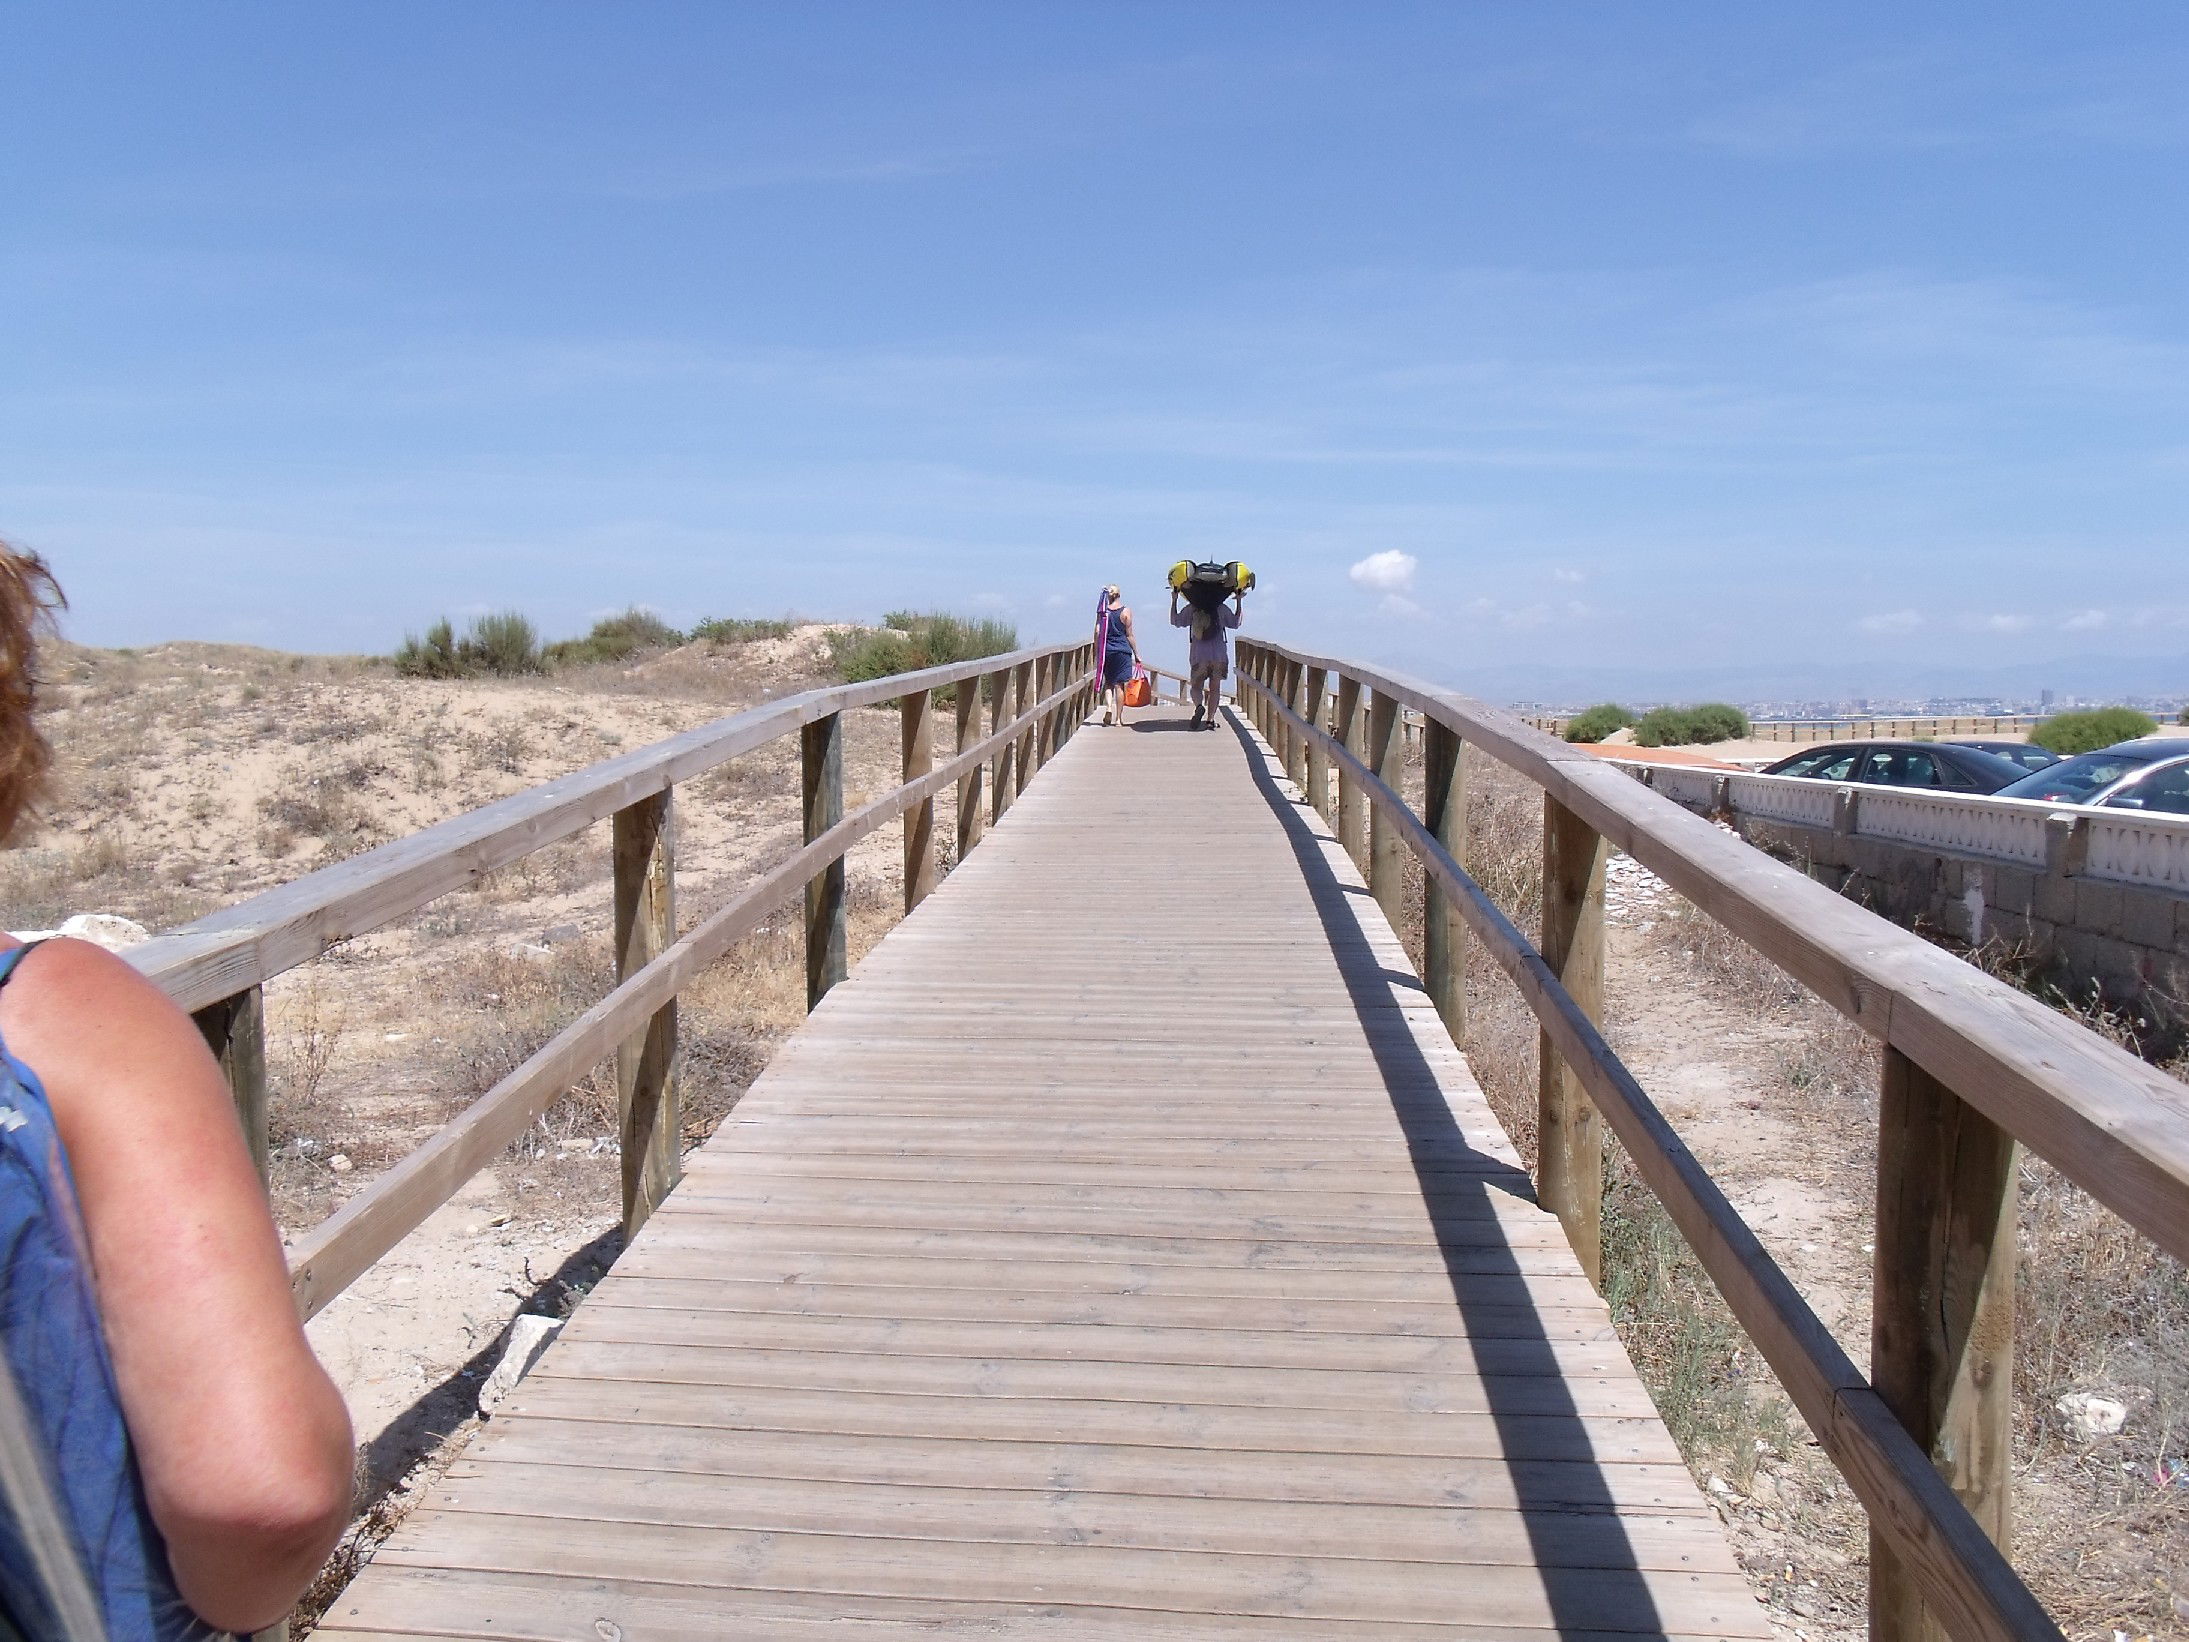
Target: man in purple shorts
[[1208, 654]]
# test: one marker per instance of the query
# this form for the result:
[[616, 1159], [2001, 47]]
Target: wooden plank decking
[[1123, 1252]]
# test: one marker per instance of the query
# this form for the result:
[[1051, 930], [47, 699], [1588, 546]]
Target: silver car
[[2148, 774]]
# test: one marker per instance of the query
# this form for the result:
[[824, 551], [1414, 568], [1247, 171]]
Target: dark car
[[2027, 754], [1939, 765], [2147, 774]]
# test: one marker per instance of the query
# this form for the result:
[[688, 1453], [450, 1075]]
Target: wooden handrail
[[337, 1251], [2114, 1125], [1964, 1577], [246, 945]]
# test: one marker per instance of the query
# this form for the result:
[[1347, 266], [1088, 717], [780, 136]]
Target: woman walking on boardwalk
[[175, 1461], [1208, 658], [1119, 650]]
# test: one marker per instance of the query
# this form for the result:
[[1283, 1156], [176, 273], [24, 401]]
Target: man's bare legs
[[1208, 691]]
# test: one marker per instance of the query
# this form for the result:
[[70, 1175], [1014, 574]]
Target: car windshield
[[2165, 791], [1831, 764], [2074, 780], [2016, 752]]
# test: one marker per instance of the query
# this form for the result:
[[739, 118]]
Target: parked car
[[2025, 753], [1939, 765], [2148, 774]]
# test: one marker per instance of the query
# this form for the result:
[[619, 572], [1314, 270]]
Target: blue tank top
[[50, 1332]]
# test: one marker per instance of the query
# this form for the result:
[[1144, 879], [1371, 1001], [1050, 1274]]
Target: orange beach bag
[[1139, 689]]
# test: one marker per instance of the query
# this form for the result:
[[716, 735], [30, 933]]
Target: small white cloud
[[1387, 572], [1891, 621], [2085, 621], [2002, 624], [1398, 604], [1572, 578]]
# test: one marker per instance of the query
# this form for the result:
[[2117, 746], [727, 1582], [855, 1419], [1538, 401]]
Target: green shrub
[[504, 644], [907, 641], [742, 629], [1598, 722], [615, 638], [433, 656], [1684, 726], [1717, 721], [1663, 727], [2070, 733]]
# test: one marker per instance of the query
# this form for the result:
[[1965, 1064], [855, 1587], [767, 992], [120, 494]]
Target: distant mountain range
[[2084, 676]]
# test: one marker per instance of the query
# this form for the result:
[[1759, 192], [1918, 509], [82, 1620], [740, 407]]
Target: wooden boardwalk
[[1124, 1251]]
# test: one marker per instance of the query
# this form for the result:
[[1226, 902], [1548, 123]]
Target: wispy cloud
[[1890, 621]]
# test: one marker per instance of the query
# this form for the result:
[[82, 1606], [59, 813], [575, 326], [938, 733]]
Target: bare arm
[[1125, 616], [243, 1441]]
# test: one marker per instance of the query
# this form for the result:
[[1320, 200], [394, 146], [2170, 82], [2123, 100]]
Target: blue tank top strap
[[13, 956]]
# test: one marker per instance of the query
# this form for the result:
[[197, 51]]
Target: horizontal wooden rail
[[2115, 1126], [335, 1252], [245, 945], [1960, 1572]]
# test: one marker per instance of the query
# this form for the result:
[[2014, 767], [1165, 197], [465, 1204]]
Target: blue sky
[[1491, 334]]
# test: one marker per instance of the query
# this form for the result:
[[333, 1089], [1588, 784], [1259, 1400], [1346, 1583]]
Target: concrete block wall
[[2129, 942]]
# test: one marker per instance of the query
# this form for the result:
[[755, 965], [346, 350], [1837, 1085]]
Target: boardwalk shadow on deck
[[1432, 1134]]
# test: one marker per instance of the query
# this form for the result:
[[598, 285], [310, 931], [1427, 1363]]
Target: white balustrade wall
[[1788, 798], [2005, 829], [2147, 850]]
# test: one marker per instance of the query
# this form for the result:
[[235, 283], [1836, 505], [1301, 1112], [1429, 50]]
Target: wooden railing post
[[1295, 741], [648, 1111], [1040, 753], [828, 957], [1942, 1310], [1317, 784], [917, 745], [235, 1030], [969, 784], [1570, 1136], [1352, 821], [1443, 935], [1022, 680], [1386, 755], [999, 708]]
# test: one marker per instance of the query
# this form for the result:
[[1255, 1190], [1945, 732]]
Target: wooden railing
[[1971, 1068], [218, 967]]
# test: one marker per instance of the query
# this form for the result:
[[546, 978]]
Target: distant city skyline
[[1502, 341]]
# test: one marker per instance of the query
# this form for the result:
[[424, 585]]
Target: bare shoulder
[[69, 1001]]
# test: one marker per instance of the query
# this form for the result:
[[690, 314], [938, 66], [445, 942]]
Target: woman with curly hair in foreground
[[177, 1460]]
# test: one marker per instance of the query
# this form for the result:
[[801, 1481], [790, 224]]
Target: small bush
[[2070, 733], [1598, 722], [504, 644], [615, 638], [1685, 726], [433, 656], [1663, 727], [742, 629], [1717, 721], [907, 641]]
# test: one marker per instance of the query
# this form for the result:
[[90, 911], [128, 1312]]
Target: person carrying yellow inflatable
[[1198, 595]]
